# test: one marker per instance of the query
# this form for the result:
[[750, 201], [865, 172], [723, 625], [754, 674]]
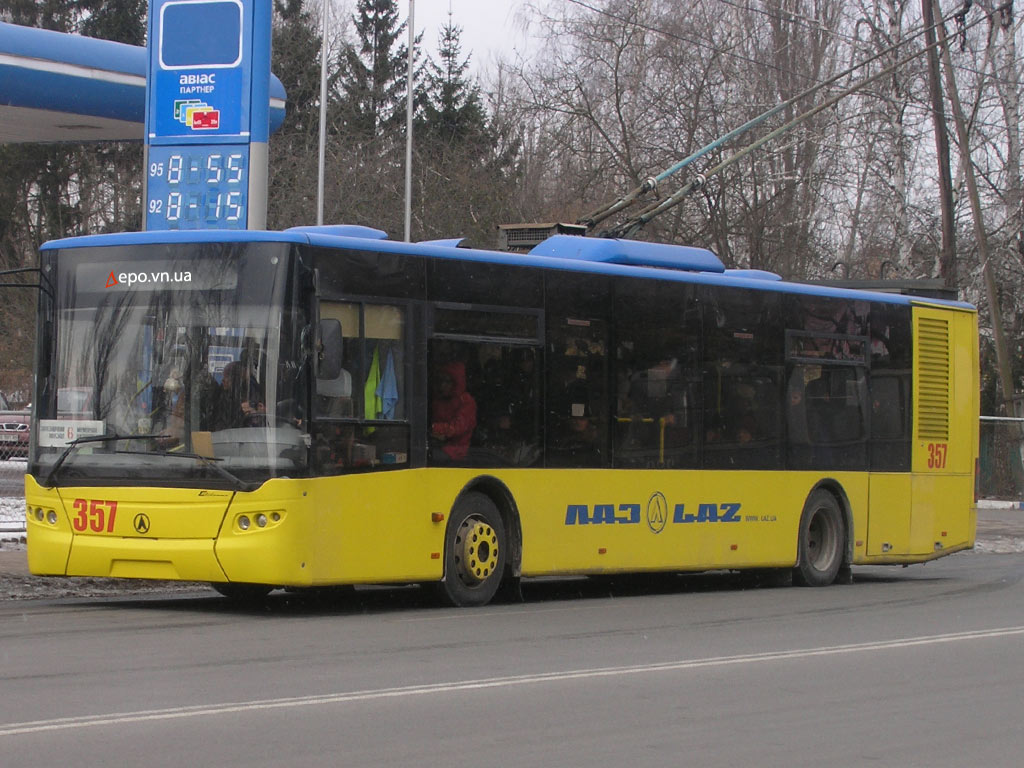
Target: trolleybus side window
[[485, 385], [577, 354], [890, 387], [657, 376], [742, 380], [827, 349], [370, 389]]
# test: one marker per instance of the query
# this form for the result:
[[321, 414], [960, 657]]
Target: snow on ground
[[12, 492], [12, 504], [12, 510]]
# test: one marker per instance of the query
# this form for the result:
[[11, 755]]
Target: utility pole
[[998, 337], [947, 257]]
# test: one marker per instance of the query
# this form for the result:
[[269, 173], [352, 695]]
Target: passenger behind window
[[453, 414], [507, 410], [493, 409], [576, 442], [820, 410], [800, 451], [241, 401]]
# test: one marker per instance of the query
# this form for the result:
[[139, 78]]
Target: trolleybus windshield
[[197, 346]]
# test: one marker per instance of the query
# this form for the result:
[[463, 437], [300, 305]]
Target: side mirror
[[329, 358]]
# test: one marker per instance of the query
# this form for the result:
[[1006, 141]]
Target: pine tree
[[372, 73], [293, 148], [57, 190], [123, 21], [453, 112], [58, 15], [463, 178], [296, 50]]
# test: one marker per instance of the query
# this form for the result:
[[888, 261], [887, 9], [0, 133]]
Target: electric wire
[[634, 224]]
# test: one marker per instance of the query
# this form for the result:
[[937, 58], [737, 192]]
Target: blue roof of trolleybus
[[561, 252]]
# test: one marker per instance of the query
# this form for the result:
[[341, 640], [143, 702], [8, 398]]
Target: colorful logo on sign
[[196, 114]]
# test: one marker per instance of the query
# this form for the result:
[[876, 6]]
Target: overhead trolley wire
[[633, 224], [725, 52]]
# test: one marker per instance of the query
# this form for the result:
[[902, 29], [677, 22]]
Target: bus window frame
[[535, 342], [537, 313], [408, 341], [792, 351]]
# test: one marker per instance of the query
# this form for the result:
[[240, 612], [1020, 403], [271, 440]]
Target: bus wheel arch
[[823, 538], [481, 543]]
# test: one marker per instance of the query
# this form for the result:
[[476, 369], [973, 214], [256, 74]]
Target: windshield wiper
[[211, 461], [48, 483]]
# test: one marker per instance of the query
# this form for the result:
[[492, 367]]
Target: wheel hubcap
[[476, 551], [822, 540]]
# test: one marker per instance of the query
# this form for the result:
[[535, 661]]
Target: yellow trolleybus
[[323, 406]]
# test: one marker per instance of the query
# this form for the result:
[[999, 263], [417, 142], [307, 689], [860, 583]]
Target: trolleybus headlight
[[39, 514], [243, 523], [275, 516], [51, 517], [261, 520]]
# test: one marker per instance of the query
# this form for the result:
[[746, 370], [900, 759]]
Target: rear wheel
[[474, 551], [822, 541]]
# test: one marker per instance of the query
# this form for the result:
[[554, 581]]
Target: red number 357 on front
[[94, 515]]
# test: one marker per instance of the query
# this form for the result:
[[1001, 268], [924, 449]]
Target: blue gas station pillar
[[207, 114]]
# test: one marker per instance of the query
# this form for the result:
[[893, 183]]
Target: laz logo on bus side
[[657, 513]]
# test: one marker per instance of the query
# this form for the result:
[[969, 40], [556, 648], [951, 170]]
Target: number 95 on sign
[[190, 170]]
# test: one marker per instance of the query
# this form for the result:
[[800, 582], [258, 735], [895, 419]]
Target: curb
[[996, 504]]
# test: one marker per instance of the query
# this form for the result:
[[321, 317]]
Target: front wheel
[[239, 592], [822, 541], [474, 551]]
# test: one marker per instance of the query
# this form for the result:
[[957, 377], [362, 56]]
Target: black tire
[[242, 593], [474, 552], [821, 547]]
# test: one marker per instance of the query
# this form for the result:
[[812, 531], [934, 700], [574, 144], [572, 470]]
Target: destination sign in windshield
[[176, 275]]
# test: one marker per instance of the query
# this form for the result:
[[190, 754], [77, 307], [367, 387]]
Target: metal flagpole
[[323, 117]]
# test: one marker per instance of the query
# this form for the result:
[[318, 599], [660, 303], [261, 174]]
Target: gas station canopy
[[56, 87]]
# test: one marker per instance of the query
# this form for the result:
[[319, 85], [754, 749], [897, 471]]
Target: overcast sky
[[489, 27]]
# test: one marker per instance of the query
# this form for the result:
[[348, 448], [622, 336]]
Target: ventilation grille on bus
[[523, 237], [933, 379]]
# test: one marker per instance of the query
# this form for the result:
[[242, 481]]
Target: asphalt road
[[905, 667]]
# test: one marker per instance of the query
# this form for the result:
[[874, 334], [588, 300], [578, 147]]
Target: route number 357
[[937, 455], [92, 514]]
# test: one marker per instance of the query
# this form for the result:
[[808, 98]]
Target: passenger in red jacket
[[453, 415]]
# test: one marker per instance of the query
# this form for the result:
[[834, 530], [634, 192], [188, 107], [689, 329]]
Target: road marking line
[[173, 713]]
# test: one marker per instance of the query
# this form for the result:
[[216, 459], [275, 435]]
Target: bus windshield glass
[[196, 346]]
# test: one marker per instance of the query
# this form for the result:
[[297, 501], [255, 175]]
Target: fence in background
[[1000, 469], [12, 477]]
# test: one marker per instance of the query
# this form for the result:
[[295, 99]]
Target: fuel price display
[[197, 187]]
